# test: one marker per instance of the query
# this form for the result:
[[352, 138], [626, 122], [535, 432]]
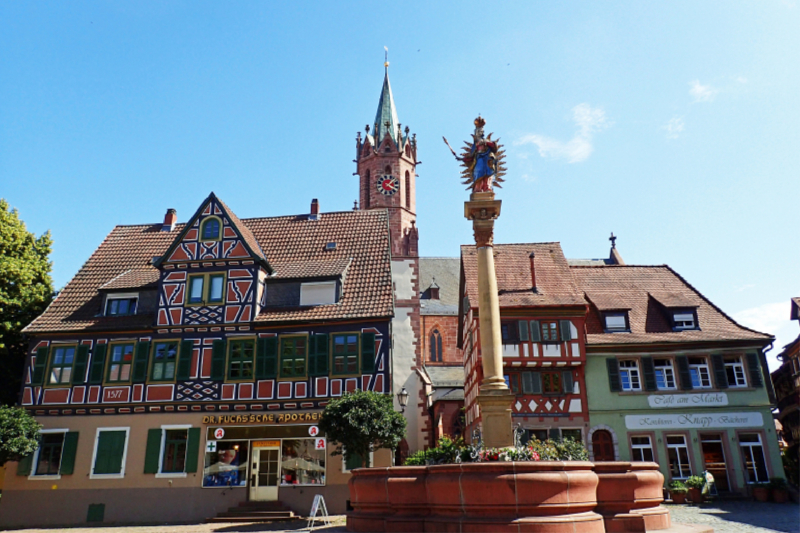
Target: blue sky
[[675, 125]]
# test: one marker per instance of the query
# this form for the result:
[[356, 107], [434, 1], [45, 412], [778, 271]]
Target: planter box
[[537, 497]]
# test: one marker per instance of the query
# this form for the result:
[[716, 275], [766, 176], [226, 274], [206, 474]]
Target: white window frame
[[616, 328], [738, 369], [641, 447], [667, 372], [121, 296], [121, 474], [749, 446], [698, 367], [344, 462], [35, 461], [677, 447], [311, 293], [164, 429], [631, 371], [679, 319]]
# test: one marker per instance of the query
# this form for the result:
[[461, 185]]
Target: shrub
[[449, 451], [677, 487], [695, 482], [778, 483]]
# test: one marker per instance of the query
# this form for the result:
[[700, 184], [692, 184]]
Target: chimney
[[170, 219], [533, 272], [314, 210]]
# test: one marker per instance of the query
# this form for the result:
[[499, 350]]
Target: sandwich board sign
[[317, 508]]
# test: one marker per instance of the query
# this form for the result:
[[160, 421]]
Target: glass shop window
[[301, 463], [227, 465]]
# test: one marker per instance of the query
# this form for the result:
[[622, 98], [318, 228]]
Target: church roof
[[386, 113], [444, 272]]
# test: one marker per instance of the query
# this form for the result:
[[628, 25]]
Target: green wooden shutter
[[153, 451], [567, 382], [184, 371], [522, 326], [536, 333], [24, 465], [649, 370], [318, 362], [40, 367], [613, 374], [367, 353], [68, 453], [754, 369], [140, 362], [81, 360], [192, 450], [98, 364], [271, 358], [261, 358], [110, 448], [718, 365], [566, 330], [684, 375], [218, 360]]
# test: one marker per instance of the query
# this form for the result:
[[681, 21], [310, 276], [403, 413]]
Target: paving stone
[[740, 516]]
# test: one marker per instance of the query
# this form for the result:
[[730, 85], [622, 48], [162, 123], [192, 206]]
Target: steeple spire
[[386, 117]]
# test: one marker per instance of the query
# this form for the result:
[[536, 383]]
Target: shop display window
[[301, 463], [227, 466]]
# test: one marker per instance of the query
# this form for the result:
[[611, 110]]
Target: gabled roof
[[362, 239], [635, 286], [250, 242], [445, 271], [554, 283]]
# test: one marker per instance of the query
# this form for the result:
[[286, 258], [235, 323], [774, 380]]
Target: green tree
[[362, 420], [19, 434], [26, 289]]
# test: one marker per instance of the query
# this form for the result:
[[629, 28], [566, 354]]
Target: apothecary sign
[[694, 421], [707, 399]]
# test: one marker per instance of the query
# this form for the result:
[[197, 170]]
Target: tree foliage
[[19, 434], [25, 291], [362, 420]]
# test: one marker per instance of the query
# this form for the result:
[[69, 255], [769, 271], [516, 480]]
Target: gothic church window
[[436, 346]]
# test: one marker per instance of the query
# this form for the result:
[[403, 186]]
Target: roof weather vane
[[386, 57], [613, 240]]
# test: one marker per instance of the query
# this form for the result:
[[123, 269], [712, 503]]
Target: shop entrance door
[[265, 473], [714, 461]]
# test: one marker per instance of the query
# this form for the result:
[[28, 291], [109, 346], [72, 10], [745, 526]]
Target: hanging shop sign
[[694, 421], [263, 418], [672, 401]]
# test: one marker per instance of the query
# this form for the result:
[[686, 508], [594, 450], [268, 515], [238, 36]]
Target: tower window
[[209, 230], [436, 346], [408, 189]]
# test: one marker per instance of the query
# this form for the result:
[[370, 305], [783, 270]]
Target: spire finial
[[386, 58], [613, 240]]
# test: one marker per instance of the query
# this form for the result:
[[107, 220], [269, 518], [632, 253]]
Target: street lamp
[[402, 399]]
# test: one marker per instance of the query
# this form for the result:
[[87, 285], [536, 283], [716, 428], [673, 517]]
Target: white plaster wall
[[402, 278]]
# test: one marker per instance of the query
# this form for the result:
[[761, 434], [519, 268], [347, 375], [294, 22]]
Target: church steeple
[[386, 116], [386, 159]]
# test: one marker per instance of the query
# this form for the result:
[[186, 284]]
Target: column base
[[496, 418]]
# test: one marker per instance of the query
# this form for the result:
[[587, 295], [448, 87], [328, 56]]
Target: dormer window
[[210, 229], [121, 304], [616, 321], [683, 319], [433, 290], [318, 293]]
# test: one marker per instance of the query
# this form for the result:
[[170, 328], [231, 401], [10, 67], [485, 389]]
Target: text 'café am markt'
[[184, 368]]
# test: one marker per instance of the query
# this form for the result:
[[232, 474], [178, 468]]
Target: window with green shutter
[[267, 358], [319, 356], [39, 366], [98, 366], [140, 362], [217, 359], [120, 363], [183, 371], [165, 361], [367, 353], [56, 453], [62, 358], [109, 453], [293, 356], [345, 353], [241, 359], [81, 362]]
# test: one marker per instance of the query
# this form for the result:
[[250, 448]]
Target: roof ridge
[[616, 266], [363, 212]]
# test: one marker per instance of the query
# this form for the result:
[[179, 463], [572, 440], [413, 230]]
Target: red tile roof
[[362, 237], [133, 279], [635, 286], [554, 283], [312, 269]]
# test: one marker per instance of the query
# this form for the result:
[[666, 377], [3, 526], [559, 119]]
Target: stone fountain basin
[[539, 497]]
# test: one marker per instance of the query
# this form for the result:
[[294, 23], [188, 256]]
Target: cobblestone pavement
[[724, 517], [740, 516]]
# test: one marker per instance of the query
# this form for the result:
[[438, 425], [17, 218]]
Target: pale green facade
[[720, 427]]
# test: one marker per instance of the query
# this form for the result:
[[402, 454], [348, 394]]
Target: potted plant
[[780, 491], [695, 485], [677, 491], [761, 492]]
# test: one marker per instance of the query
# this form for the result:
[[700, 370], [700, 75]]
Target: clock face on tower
[[388, 185]]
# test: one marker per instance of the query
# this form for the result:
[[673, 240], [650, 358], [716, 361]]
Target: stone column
[[494, 396]]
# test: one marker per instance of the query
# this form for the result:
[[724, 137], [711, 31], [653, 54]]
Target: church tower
[[386, 165]]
